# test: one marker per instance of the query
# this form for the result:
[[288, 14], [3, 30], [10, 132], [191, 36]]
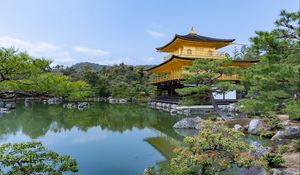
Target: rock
[[259, 150], [275, 171], [173, 112], [188, 123], [70, 106], [173, 106], [289, 132], [219, 119], [112, 101], [238, 127], [83, 105], [282, 171], [54, 101], [255, 126], [231, 107], [253, 171], [123, 101]]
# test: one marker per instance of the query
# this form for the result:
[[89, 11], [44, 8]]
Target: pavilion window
[[189, 51], [210, 53]]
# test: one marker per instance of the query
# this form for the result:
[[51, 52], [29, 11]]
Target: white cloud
[[156, 34], [149, 59], [38, 49], [125, 60], [90, 52]]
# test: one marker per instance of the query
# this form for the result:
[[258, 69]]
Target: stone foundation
[[174, 109]]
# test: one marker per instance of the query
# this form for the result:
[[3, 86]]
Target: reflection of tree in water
[[36, 121]]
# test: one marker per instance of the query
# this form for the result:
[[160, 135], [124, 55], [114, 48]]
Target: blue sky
[[115, 31]]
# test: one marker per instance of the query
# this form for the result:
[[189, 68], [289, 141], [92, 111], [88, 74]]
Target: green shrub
[[293, 110], [274, 124], [297, 145], [274, 160], [212, 118], [267, 134], [283, 148]]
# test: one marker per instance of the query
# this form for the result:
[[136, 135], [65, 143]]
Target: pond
[[105, 139]]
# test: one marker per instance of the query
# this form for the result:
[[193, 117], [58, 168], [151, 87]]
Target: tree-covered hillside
[[121, 81]]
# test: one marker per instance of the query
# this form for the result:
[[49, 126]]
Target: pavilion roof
[[194, 39]]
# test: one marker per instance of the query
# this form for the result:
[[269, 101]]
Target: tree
[[273, 84], [214, 149], [204, 75], [20, 74], [33, 158]]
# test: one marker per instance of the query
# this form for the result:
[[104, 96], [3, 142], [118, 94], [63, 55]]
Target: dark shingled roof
[[195, 37]]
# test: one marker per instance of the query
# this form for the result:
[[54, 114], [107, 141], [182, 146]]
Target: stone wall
[[174, 109]]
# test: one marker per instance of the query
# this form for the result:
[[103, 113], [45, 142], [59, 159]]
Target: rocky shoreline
[[257, 127]]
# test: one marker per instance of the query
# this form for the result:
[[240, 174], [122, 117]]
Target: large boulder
[[255, 126], [289, 132], [188, 123], [260, 150], [238, 127]]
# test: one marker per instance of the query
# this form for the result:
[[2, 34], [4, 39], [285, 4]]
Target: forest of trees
[[120, 81], [23, 75]]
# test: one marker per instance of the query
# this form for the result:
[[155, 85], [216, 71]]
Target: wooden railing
[[178, 75], [198, 54], [202, 54]]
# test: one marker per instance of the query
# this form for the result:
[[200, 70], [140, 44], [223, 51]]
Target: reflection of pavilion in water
[[165, 142]]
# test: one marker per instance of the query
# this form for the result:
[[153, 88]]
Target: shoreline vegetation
[[272, 105]]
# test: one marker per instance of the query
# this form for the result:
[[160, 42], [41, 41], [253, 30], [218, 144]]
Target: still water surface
[[105, 140]]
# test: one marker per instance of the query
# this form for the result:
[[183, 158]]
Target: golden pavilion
[[183, 49]]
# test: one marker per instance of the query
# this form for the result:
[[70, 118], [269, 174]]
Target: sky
[[114, 31]]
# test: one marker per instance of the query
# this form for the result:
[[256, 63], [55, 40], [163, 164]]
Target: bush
[[212, 118], [293, 110], [283, 148], [274, 124], [33, 158], [214, 149], [274, 160], [297, 145], [267, 134]]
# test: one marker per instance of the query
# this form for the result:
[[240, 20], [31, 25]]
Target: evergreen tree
[[203, 78], [274, 83], [20, 74]]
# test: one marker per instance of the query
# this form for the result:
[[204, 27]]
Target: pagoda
[[182, 50]]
